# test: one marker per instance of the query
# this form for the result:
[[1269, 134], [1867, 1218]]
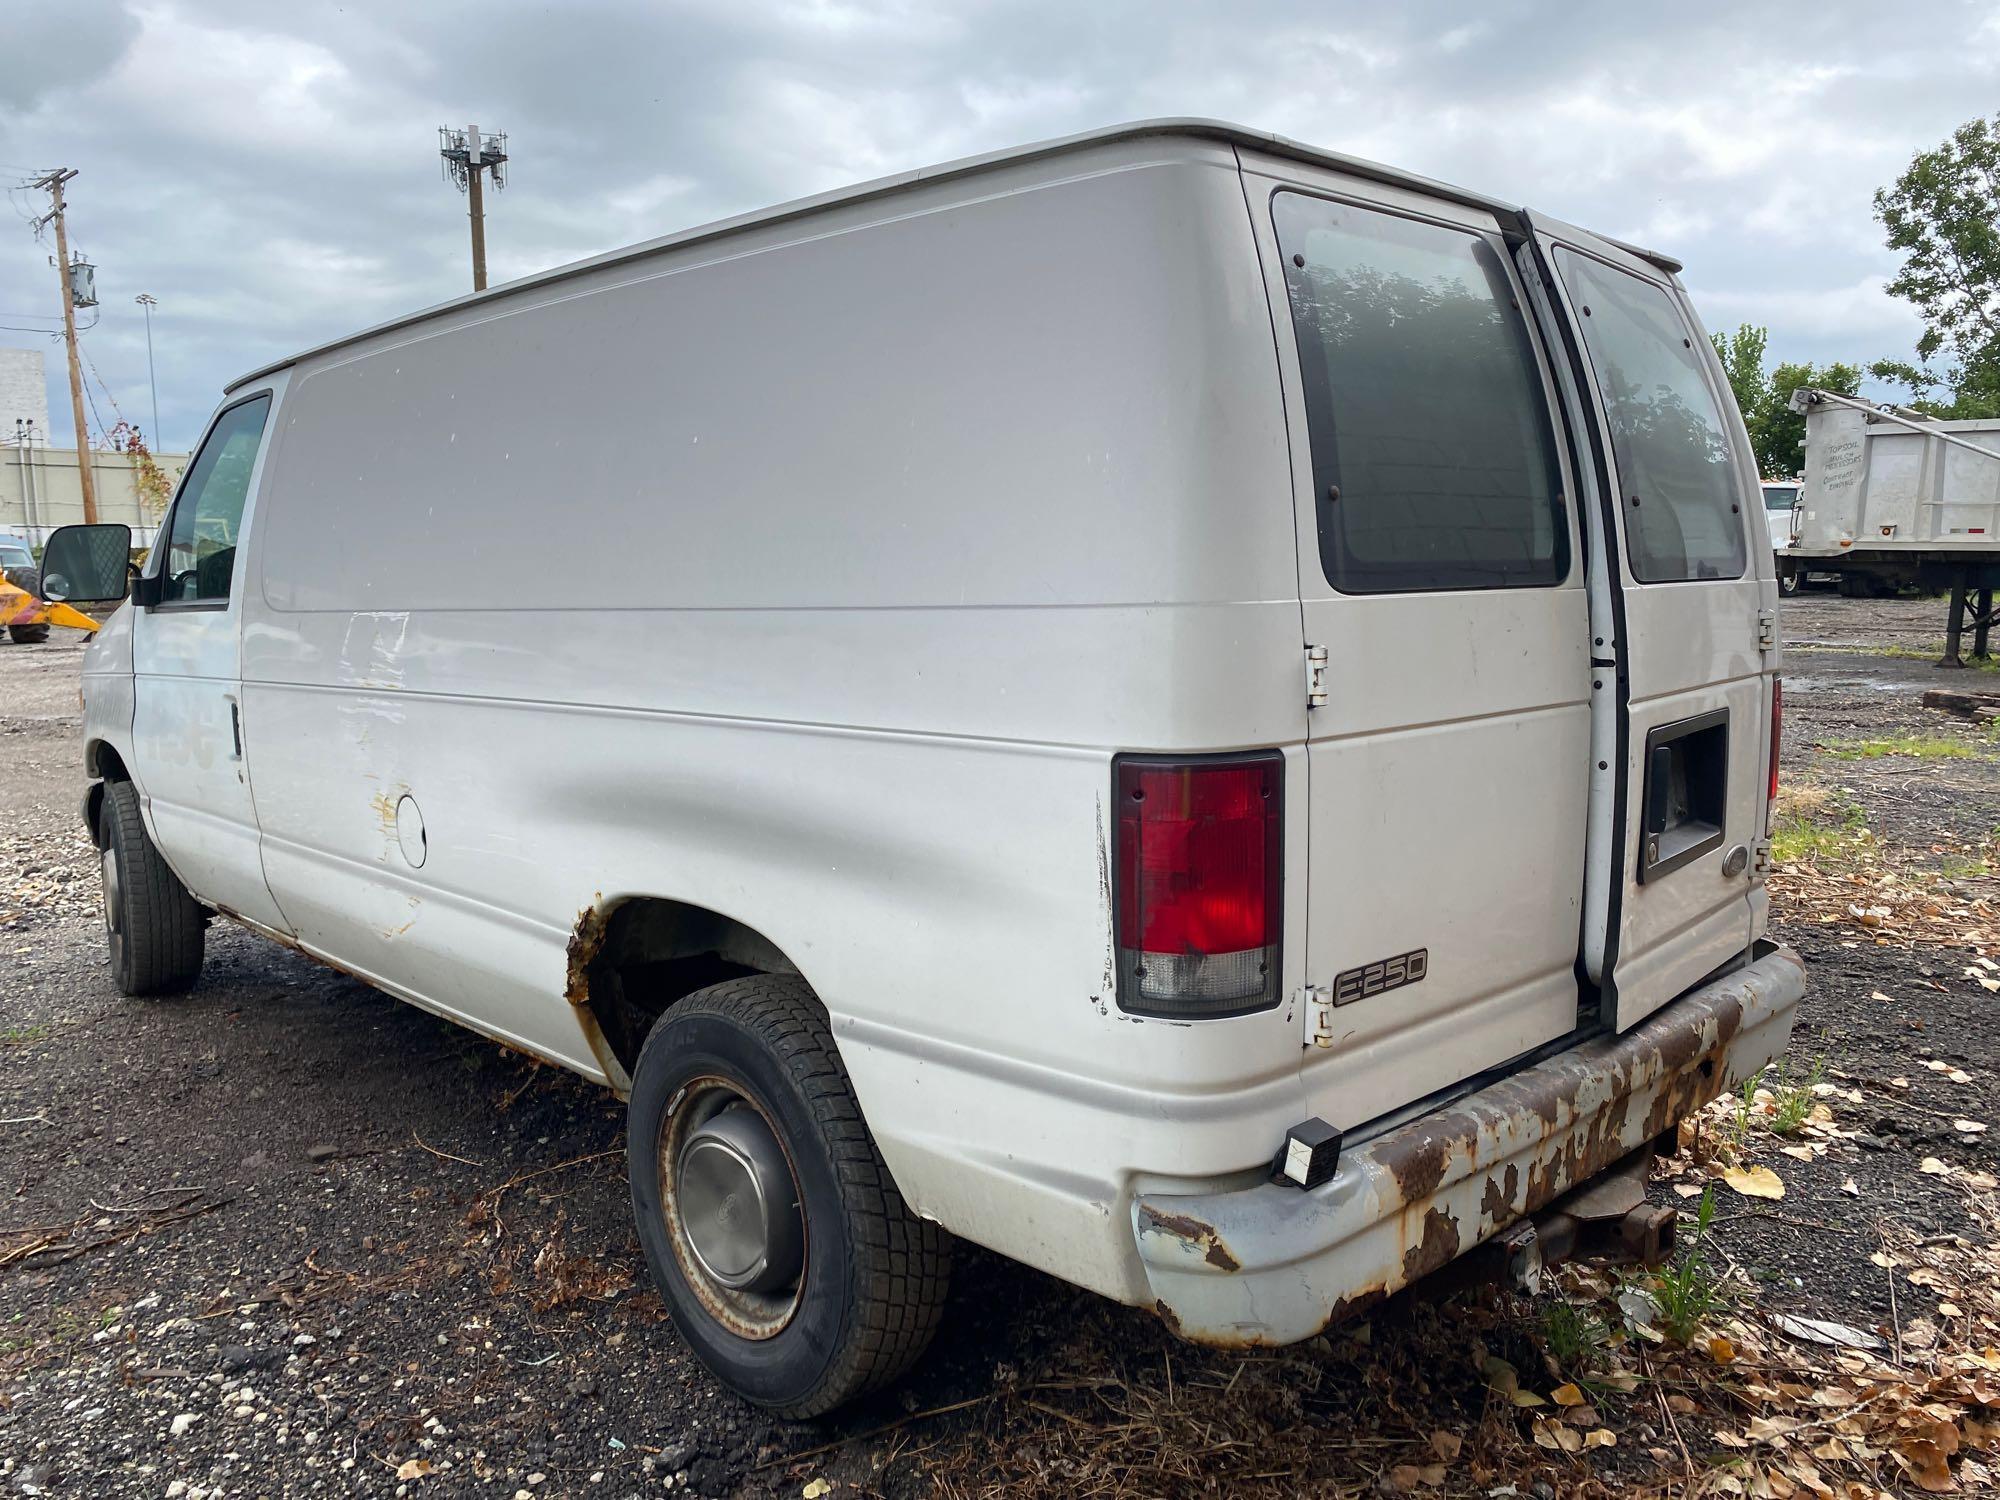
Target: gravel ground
[[287, 1236]]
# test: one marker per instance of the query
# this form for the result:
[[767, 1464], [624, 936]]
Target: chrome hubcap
[[114, 914], [732, 1207]]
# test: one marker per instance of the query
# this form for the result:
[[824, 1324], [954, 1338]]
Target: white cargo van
[[1193, 710]]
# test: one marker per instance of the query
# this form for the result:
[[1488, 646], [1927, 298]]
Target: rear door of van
[[1441, 575], [1684, 624]]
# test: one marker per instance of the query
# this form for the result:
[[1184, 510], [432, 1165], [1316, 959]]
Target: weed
[[1916, 746], [1811, 823], [1962, 867], [1689, 1289], [1575, 1336], [20, 1036], [1746, 1109], [1792, 1103]]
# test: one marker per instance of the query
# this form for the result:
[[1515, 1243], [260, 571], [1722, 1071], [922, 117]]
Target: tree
[[1742, 356], [1943, 213], [1765, 399]]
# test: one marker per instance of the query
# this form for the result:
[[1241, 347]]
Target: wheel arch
[[102, 761], [632, 958]]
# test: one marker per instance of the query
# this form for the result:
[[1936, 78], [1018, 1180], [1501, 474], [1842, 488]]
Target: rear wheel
[[152, 926], [1789, 579], [793, 1268], [27, 635]]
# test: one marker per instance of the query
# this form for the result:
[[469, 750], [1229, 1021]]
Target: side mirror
[[87, 562]]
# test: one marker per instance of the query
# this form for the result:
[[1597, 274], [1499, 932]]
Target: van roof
[[1203, 129]]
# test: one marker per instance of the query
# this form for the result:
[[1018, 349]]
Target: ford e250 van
[[1196, 711]]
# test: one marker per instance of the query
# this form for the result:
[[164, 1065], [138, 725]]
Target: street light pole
[[149, 303]]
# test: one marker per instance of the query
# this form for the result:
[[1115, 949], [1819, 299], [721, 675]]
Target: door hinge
[[1315, 677], [1760, 857], [1767, 629], [1316, 1000]]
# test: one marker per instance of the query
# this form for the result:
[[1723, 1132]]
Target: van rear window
[[1433, 453], [1675, 469]]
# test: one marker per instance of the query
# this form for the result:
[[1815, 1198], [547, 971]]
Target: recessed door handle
[[236, 727]]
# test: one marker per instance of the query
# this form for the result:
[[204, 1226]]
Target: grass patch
[[1916, 746], [20, 1036], [1962, 867], [1812, 823], [1686, 1292], [1792, 1103], [1576, 1337]]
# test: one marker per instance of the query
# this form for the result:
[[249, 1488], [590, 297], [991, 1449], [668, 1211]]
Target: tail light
[[1777, 732], [1199, 866]]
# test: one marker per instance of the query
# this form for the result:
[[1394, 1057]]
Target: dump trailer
[[1893, 497]]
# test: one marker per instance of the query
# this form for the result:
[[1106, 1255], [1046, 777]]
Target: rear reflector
[[1198, 862], [1777, 733]]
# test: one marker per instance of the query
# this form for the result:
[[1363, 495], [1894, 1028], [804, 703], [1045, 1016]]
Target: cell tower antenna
[[467, 154]]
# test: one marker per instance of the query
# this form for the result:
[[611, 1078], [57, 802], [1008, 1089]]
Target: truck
[[1194, 710], [1893, 497]]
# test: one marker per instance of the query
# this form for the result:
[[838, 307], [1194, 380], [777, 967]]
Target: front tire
[[1790, 580], [791, 1264], [152, 926]]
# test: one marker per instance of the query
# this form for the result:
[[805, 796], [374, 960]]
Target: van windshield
[[1676, 473], [1433, 454]]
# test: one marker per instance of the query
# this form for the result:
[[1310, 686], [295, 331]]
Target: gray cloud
[[269, 172]]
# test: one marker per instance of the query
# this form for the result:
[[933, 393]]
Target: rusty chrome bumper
[[1271, 1264]]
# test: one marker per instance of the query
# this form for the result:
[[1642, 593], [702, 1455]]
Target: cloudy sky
[[269, 171]]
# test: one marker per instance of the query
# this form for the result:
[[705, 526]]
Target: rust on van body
[[1453, 1179]]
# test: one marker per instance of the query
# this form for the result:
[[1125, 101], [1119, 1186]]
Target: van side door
[[187, 726], [1684, 601]]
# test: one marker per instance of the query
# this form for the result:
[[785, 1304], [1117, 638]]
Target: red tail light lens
[[1199, 866], [1777, 732]]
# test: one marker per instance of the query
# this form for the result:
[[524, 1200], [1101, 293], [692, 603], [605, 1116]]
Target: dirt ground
[[285, 1236]]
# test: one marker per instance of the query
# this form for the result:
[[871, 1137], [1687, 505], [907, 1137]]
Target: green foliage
[[1765, 399], [1742, 356], [1792, 1103], [1943, 214], [1916, 746], [1575, 1336], [1689, 1289], [1827, 832]]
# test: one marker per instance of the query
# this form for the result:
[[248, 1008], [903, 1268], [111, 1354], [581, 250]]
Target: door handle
[[236, 727]]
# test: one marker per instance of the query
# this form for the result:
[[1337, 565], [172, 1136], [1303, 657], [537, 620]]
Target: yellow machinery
[[28, 617]]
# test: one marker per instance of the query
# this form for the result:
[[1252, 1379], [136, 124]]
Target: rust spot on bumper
[[1192, 1232], [1438, 1247]]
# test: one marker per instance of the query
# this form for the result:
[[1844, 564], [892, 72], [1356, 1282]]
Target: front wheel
[[791, 1264], [1790, 580], [152, 926]]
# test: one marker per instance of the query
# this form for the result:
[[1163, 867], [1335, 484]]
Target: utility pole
[[466, 155], [54, 181], [149, 302]]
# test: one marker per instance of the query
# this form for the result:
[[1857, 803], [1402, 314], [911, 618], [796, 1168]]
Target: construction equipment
[[27, 615], [1892, 496]]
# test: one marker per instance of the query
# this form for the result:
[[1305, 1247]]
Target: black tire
[[872, 1287], [152, 926], [27, 635], [1790, 580]]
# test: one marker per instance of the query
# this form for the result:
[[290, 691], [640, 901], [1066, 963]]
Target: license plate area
[[1687, 792]]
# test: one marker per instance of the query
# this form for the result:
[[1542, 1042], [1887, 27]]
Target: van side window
[[201, 547], [1433, 452], [1675, 467]]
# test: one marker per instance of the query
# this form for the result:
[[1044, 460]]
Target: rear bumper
[[1272, 1265]]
